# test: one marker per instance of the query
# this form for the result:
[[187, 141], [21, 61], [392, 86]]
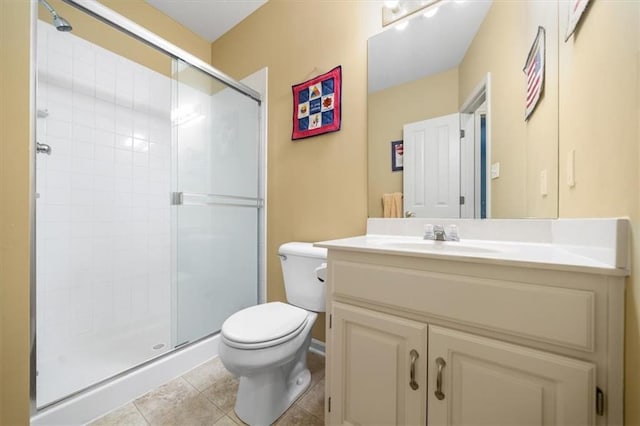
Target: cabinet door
[[371, 368], [488, 382]]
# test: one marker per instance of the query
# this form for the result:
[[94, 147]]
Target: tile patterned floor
[[206, 395]]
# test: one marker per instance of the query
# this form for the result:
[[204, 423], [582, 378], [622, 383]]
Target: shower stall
[[149, 200]]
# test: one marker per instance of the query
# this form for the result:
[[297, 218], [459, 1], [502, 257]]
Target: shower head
[[59, 22]]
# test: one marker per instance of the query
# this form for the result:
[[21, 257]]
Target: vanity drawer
[[555, 315]]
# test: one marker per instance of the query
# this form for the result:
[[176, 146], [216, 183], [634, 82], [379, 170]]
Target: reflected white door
[[467, 166], [432, 167]]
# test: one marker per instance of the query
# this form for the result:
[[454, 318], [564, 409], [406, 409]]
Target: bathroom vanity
[[521, 322]]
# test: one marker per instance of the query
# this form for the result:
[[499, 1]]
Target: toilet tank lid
[[303, 249], [263, 323]]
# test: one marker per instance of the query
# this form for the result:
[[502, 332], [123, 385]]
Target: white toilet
[[266, 345]]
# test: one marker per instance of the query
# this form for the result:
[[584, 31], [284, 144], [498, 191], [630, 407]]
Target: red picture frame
[[317, 105]]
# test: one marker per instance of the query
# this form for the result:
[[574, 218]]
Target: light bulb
[[402, 25], [431, 12]]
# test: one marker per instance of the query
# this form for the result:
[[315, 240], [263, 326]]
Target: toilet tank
[[299, 263]]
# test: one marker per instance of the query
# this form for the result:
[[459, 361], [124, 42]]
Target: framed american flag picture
[[534, 73], [576, 9]]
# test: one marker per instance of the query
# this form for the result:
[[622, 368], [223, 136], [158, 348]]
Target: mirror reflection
[[450, 84]]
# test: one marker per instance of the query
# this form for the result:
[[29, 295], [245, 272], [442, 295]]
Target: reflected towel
[[392, 205]]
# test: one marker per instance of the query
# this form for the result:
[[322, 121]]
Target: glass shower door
[[215, 201]]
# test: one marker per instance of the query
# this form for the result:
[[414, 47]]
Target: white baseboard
[[317, 347]]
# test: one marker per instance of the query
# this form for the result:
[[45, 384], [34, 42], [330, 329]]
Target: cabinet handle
[[414, 358], [441, 364]]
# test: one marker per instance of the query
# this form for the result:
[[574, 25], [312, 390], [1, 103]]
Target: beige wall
[[388, 111], [154, 20], [523, 149], [15, 161], [317, 186], [14, 212], [599, 120]]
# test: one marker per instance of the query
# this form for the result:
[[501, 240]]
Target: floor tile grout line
[[212, 402], [308, 412], [201, 392], [141, 413]]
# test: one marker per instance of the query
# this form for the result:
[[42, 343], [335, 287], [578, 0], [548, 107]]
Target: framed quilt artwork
[[317, 105]]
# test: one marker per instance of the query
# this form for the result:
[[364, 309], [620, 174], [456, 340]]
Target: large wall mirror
[[449, 83]]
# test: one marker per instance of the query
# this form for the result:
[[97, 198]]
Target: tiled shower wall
[[103, 214], [106, 235]]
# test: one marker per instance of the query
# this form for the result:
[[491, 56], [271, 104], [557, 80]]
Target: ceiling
[[428, 45], [209, 19]]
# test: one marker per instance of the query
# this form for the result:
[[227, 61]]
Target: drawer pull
[[414, 358], [441, 364]]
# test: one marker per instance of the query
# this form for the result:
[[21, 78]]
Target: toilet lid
[[263, 323]]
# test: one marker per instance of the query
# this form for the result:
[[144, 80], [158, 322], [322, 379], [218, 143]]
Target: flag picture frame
[[534, 70], [397, 156], [317, 105], [576, 10]]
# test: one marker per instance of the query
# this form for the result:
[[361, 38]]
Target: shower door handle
[[43, 148]]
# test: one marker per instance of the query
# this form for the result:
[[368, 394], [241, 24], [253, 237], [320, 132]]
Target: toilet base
[[264, 397]]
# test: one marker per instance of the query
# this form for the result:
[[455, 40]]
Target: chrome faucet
[[437, 233]]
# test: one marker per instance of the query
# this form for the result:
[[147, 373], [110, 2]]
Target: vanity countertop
[[553, 256], [510, 253]]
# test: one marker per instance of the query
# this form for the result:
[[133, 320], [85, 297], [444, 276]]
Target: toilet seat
[[265, 325]]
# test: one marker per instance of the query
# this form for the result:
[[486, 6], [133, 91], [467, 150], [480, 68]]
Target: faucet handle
[[438, 233], [428, 232], [452, 233]]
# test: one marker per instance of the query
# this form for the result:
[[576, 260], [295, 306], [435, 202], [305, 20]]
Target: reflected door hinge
[[461, 133], [330, 320], [462, 200], [599, 402], [177, 199], [329, 405]]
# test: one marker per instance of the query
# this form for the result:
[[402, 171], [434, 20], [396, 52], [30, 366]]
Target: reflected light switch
[[571, 168], [495, 170]]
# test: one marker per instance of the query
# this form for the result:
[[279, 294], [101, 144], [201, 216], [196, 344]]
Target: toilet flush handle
[[321, 272]]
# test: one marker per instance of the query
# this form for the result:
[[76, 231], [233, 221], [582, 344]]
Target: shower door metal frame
[[136, 31], [108, 16]]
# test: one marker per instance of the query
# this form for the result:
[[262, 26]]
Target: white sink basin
[[450, 247], [439, 246]]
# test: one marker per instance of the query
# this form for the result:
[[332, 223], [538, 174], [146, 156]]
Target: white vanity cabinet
[[475, 380], [378, 366], [427, 340]]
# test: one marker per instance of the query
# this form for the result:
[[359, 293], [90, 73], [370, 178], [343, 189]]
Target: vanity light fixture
[[391, 4], [395, 10]]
